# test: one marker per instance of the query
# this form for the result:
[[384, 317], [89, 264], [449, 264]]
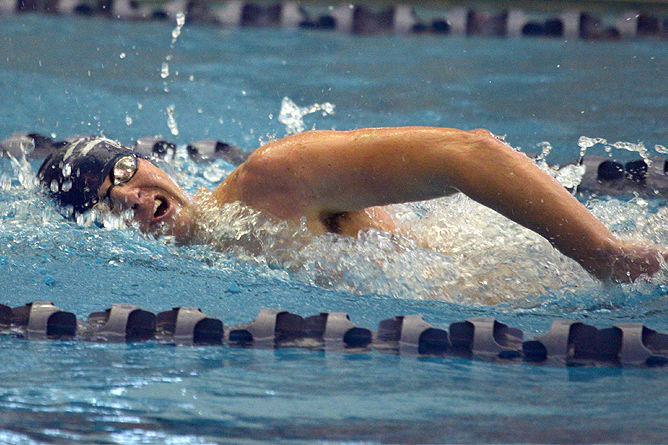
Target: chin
[[180, 228]]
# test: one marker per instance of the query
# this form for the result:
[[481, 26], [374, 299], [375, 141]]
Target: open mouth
[[160, 207]]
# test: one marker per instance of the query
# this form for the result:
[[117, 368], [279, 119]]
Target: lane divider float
[[348, 18], [567, 343]]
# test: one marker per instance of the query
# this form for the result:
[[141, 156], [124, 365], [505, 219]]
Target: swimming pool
[[67, 76]]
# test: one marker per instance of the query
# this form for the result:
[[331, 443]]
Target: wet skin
[[340, 181], [160, 205]]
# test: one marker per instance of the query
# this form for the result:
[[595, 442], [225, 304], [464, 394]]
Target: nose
[[125, 197]]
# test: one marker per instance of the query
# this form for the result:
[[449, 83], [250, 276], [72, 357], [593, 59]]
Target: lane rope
[[646, 22], [567, 343]]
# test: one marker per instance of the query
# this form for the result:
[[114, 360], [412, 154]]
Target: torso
[[350, 223], [344, 223]]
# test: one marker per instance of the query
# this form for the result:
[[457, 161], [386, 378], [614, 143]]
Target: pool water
[[64, 76]]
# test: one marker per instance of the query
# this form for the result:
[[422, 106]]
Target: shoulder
[[273, 176]]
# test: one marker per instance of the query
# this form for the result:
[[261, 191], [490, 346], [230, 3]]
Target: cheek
[[181, 225]]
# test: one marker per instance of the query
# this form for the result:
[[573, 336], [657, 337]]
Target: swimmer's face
[[160, 206]]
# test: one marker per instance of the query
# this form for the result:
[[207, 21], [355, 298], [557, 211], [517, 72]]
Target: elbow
[[486, 145], [481, 137]]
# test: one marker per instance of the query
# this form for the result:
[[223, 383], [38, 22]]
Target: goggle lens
[[124, 169]]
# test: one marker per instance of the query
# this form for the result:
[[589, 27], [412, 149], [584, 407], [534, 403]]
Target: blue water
[[66, 76]]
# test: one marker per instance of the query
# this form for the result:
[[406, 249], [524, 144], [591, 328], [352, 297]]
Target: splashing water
[[176, 32], [171, 121], [449, 249], [21, 166], [585, 142], [164, 71], [292, 115], [452, 248]]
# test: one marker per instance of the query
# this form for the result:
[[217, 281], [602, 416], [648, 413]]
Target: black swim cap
[[74, 172]]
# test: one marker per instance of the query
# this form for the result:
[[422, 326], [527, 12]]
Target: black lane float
[[569, 22], [567, 343]]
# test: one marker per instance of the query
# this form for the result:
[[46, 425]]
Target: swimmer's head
[[86, 171], [74, 172]]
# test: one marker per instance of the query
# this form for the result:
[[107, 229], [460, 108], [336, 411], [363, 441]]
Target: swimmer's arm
[[328, 172]]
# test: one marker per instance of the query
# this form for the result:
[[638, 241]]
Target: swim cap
[[74, 172]]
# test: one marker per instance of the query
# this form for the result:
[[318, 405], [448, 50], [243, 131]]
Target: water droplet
[[67, 170], [180, 18], [54, 186], [67, 185], [292, 116], [171, 121], [122, 56], [27, 145], [164, 72], [128, 120]]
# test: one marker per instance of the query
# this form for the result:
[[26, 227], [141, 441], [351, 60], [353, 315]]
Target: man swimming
[[339, 181]]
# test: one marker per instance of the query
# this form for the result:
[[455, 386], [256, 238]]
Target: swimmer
[[340, 181]]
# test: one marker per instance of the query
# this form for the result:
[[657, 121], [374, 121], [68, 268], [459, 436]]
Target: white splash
[[180, 21], [164, 70], [171, 121], [570, 175], [292, 115], [585, 142]]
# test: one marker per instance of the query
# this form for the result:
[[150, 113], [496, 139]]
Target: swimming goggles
[[121, 173]]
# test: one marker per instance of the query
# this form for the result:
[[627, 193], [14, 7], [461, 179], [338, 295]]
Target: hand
[[636, 258]]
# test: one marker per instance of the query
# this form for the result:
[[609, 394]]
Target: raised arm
[[322, 172]]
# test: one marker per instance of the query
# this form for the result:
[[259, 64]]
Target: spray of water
[[292, 115], [164, 71], [450, 249]]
